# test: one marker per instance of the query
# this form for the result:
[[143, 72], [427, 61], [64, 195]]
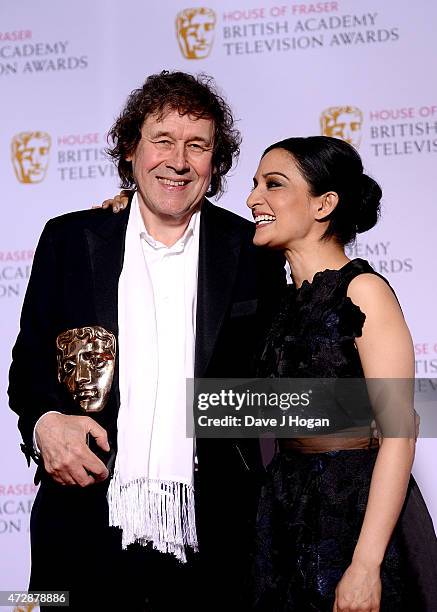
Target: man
[[178, 284]]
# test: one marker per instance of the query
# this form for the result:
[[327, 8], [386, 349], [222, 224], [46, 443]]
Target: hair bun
[[369, 205]]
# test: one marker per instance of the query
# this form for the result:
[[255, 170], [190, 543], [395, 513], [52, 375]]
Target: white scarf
[[151, 495]]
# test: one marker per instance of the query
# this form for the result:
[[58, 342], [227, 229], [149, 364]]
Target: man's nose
[[178, 159]]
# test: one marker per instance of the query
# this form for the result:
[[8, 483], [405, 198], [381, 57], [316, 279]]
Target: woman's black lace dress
[[312, 505]]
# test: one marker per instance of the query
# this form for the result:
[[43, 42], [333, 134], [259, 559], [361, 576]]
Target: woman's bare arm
[[386, 353]]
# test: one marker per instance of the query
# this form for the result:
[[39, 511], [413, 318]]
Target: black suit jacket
[[74, 282]]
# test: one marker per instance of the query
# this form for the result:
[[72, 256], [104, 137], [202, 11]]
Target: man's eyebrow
[[161, 133]]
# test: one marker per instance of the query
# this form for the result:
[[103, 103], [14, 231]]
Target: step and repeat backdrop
[[361, 70]]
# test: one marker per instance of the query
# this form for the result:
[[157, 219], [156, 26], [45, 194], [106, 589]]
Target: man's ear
[[214, 173], [130, 155], [325, 205]]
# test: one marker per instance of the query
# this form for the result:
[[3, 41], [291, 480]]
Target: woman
[[327, 524], [328, 531]]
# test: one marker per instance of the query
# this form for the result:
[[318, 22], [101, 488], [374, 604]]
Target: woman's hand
[[118, 202], [359, 590]]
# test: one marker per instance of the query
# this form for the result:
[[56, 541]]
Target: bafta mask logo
[[26, 607], [195, 32], [30, 156], [343, 122], [86, 360]]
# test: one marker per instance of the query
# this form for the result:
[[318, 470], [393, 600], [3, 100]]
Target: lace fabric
[[314, 332]]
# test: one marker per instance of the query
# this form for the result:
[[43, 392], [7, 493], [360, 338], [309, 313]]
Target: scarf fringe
[[156, 511]]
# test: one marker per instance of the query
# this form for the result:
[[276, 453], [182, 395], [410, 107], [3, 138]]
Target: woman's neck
[[307, 259]]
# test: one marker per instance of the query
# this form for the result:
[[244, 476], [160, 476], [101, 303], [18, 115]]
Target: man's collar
[[179, 245]]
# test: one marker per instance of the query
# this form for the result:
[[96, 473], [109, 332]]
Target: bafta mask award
[[86, 360], [30, 156], [343, 122], [195, 32]]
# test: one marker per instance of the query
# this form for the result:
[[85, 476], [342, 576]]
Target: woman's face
[[281, 204]]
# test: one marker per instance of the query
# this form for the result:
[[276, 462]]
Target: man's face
[[172, 165], [87, 369], [196, 32], [31, 157]]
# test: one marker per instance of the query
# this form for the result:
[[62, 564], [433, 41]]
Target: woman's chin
[[260, 241], [264, 239], [262, 236]]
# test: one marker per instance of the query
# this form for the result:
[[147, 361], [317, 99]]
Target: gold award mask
[[195, 32], [30, 156], [343, 122], [86, 361]]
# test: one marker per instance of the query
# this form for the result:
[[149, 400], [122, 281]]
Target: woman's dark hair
[[330, 164], [187, 94]]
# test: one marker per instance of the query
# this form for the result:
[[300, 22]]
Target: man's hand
[[61, 439], [118, 202]]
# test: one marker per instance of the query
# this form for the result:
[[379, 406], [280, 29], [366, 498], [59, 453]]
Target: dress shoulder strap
[[356, 267]]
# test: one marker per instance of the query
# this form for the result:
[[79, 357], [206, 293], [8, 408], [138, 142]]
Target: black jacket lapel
[[219, 250], [106, 248]]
